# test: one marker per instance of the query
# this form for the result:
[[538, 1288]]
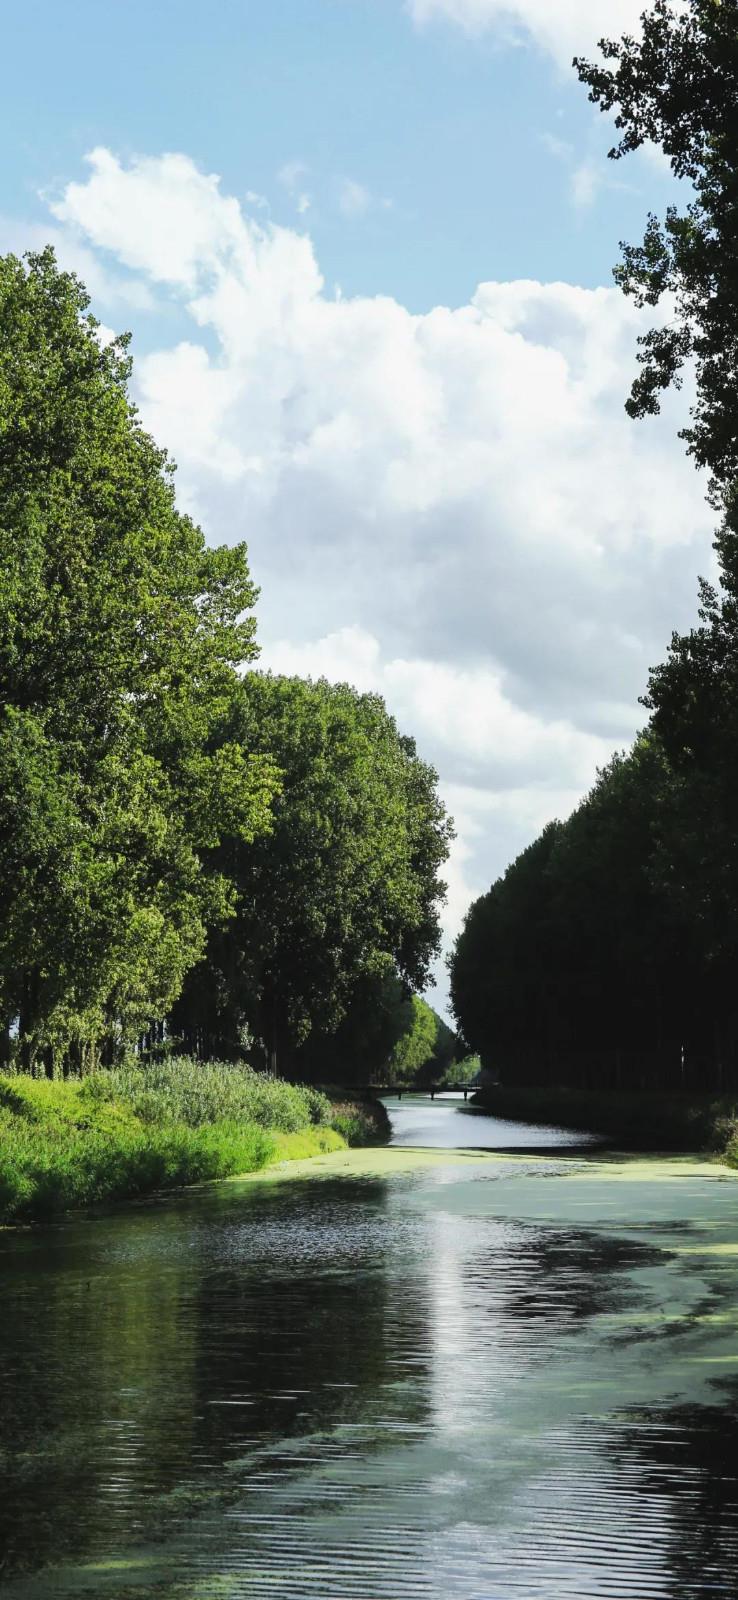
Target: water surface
[[412, 1373]]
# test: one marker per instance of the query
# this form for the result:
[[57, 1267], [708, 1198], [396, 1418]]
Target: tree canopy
[[676, 87], [272, 847], [120, 632], [345, 888], [607, 953]]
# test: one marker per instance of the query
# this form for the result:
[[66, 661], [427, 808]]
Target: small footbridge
[[383, 1090]]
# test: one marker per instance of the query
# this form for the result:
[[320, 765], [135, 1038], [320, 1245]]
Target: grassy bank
[[132, 1131], [644, 1121]]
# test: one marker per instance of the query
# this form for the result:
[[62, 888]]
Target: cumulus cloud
[[562, 27], [451, 508], [461, 717], [112, 291]]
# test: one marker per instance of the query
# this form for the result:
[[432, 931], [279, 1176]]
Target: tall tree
[[345, 889], [120, 633], [584, 962], [677, 87]]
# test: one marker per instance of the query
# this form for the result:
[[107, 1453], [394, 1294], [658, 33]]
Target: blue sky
[[365, 249], [462, 136]]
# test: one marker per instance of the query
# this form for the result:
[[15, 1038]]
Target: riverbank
[[644, 1121], [134, 1131]]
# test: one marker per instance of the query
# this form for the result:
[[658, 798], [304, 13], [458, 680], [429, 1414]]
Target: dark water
[[456, 1376]]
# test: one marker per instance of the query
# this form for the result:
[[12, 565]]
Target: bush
[[131, 1131], [361, 1122], [136, 1129], [197, 1092], [51, 1163]]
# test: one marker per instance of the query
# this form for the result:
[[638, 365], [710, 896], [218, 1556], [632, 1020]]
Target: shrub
[[196, 1092], [361, 1122]]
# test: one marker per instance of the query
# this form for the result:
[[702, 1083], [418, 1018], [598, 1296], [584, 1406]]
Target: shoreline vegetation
[[118, 1135], [657, 1121], [604, 958]]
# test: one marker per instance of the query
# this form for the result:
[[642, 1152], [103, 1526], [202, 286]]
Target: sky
[[364, 249]]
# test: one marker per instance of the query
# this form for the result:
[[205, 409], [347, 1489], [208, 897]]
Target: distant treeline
[[607, 956], [190, 850], [608, 953]]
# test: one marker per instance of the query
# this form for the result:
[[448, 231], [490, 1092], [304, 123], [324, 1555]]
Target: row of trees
[[187, 846], [608, 953]]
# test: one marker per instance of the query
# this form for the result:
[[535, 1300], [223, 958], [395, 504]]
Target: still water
[[408, 1373]]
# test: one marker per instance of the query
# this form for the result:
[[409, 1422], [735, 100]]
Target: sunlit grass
[[138, 1129]]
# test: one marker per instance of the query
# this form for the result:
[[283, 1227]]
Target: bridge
[[400, 1089]]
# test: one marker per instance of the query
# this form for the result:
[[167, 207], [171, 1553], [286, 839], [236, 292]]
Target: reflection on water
[[448, 1123], [490, 1380]]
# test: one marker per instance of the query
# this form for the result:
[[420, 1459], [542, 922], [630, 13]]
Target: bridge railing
[[400, 1089]]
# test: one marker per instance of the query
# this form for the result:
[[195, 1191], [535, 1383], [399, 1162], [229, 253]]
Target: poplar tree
[[120, 635]]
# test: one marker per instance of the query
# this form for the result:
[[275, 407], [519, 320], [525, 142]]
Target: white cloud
[[113, 291], [586, 181], [451, 508], [292, 173], [461, 716], [291, 177], [199, 231], [560, 149], [354, 200], [586, 177], [562, 27]]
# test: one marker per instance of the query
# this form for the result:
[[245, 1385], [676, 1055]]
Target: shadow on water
[[420, 1122], [508, 1379]]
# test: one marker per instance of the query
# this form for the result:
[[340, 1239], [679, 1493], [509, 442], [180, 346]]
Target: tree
[[677, 87], [387, 1035], [120, 633], [693, 697], [417, 1044], [583, 965], [344, 891], [500, 964]]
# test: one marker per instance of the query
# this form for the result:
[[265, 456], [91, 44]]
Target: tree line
[[190, 849], [607, 954]]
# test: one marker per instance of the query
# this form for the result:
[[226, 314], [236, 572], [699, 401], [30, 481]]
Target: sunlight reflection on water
[[495, 1380]]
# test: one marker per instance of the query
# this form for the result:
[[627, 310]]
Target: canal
[[481, 1364]]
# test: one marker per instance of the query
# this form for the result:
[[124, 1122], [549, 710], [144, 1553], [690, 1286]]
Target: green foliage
[[583, 965], [279, 841], [636, 1121], [464, 1072], [61, 1152], [693, 697], [361, 1122], [361, 1049], [677, 87], [130, 1131], [635, 913], [120, 632], [200, 1092], [416, 1046], [342, 893]]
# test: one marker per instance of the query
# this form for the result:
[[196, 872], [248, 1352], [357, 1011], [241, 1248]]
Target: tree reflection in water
[[449, 1381]]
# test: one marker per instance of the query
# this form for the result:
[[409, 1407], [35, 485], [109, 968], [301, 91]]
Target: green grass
[[136, 1130], [197, 1092], [127, 1132], [311, 1142]]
